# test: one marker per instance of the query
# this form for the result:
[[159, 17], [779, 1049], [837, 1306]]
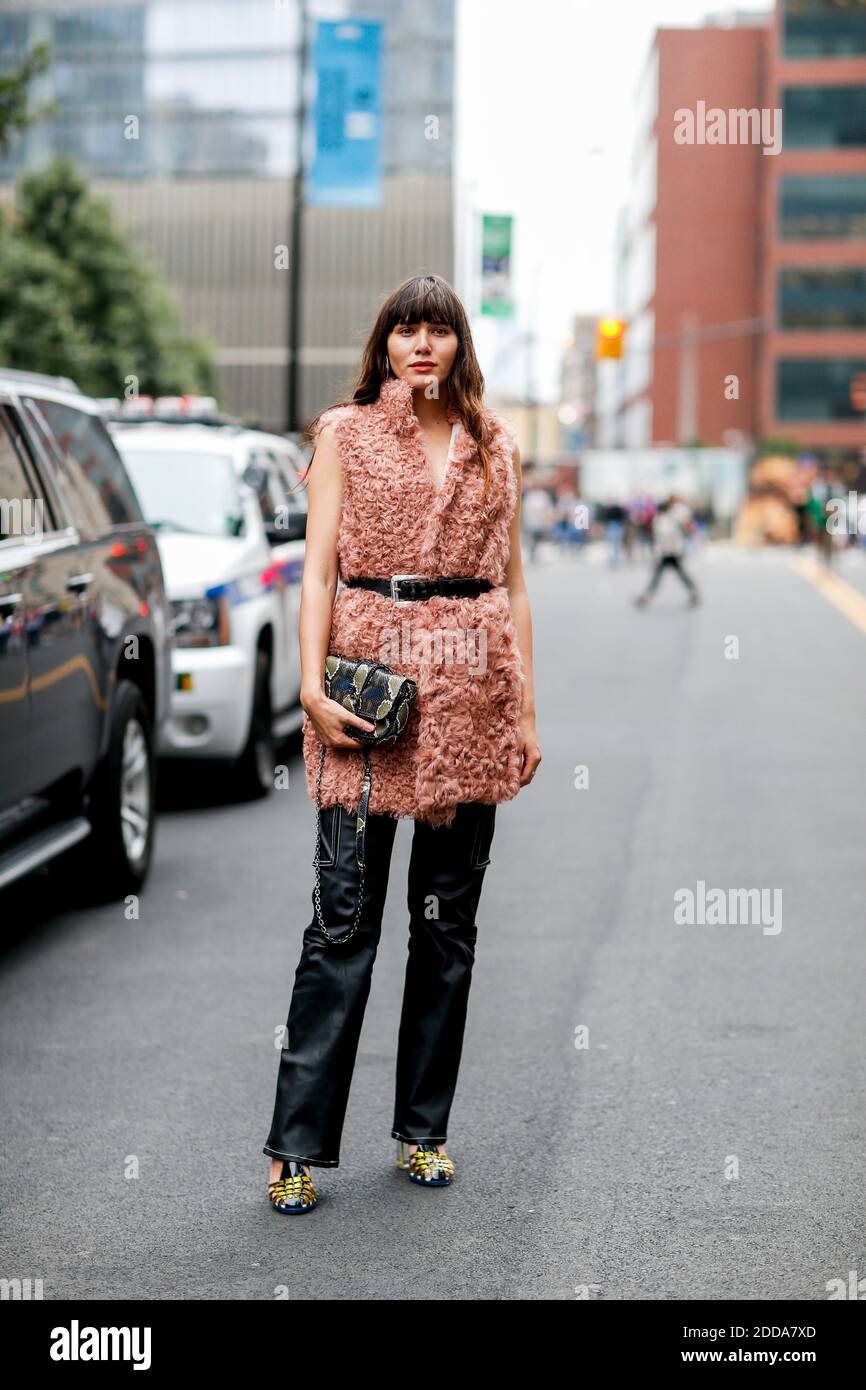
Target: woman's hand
[[530, 752], [329, 716]]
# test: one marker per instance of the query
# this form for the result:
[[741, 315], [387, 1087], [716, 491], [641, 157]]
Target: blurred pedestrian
[[819, 519], [670, 526], [537, 516], [615, 517], [568, 532], [641, 511]]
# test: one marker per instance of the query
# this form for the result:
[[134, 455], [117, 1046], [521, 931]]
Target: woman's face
[[423, 352]]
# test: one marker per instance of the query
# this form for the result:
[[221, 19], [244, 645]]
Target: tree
[[15, 111], [38, 327], [63, 258], [77, 298]]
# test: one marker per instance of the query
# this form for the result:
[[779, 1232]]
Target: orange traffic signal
[[609, 338]]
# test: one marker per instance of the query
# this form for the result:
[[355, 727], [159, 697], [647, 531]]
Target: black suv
[[85, 643]]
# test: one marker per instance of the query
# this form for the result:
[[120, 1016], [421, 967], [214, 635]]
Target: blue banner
[[347, 117]]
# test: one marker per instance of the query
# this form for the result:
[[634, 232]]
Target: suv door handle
[[77, 583], [8, 602]]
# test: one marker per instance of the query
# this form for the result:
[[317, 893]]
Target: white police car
[[231, 523]]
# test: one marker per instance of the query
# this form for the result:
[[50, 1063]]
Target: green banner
[[496, 294]]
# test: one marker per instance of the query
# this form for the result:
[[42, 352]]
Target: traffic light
[[609, 337]]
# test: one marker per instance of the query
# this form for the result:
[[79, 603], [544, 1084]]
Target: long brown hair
[[430, 299]]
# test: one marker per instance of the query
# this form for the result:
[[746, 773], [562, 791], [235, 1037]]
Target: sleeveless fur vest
[[461, 740]]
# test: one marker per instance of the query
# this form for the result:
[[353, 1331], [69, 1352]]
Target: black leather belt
[[408, 588]]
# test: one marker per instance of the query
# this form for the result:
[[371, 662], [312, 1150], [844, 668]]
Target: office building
[[203, 172], [812, 384], [742, 252], [688, 286]]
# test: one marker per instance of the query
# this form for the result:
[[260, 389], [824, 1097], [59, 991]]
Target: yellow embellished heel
[[426, 1165], [293, 1190]]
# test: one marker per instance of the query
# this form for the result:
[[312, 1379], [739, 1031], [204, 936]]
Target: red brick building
[[812, 369], [742, 273]]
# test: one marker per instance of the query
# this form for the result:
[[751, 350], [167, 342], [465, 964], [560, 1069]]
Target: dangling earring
[[386, 366]]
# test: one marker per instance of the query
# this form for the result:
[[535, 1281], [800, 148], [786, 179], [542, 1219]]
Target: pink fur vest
[[461, 741]]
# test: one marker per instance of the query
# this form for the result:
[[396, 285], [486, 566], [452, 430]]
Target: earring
[[386, 366]]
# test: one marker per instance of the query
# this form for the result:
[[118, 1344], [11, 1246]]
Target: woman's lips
[[423, 366]]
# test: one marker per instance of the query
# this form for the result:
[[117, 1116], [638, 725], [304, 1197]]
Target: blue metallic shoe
[[426, 1165], [293, 1190]]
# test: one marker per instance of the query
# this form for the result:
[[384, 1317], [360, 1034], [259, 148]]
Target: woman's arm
[[519, 601], [318, 591]]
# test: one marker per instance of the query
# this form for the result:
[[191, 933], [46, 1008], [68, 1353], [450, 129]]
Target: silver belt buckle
[[395, 582]]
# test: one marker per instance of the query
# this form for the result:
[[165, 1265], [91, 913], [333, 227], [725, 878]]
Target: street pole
[[297, 222]]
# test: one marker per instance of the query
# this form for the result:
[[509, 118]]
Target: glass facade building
[[815, 277], [819, 388], [817, 207], [822, 298], [185, 113], [824, 117], [823, 28]]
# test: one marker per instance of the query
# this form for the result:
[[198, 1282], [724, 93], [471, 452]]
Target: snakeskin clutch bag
[[374, 692], [382, 697]]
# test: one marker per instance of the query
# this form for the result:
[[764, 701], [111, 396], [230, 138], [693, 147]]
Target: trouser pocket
[[330, 823], [483, 840]]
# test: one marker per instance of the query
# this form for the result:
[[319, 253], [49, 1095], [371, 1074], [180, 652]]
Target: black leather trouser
[[332, 982]]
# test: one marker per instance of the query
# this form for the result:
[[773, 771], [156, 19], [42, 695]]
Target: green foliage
[[38, 327], [787, 448], [78, 298], [15, 112]]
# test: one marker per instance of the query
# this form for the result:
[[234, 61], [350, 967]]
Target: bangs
[[422, 302]]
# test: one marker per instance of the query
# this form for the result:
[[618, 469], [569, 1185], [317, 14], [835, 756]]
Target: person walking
[[414, 503], [669, 527], [537, 513], [615, 517]]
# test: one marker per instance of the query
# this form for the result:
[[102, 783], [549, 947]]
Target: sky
[[544, 107]]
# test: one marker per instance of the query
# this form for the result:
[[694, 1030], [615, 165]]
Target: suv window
[[296, 495], [92, 478], [184, 489], [22, 513], [268, 492]]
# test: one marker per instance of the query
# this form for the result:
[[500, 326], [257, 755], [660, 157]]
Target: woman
[[414, 477]]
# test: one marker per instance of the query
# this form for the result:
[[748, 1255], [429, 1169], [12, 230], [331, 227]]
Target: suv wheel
[[122, 807], [254, 769]]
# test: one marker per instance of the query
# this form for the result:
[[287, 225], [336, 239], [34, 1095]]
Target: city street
[[647, 1109]]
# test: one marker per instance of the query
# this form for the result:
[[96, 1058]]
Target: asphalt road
[[708, 1140]]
